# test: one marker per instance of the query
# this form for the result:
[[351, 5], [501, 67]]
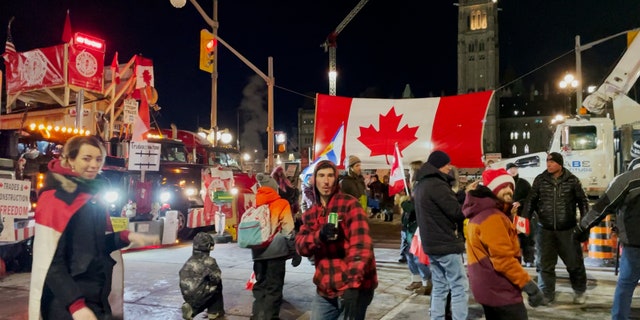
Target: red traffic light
[[211, 45]]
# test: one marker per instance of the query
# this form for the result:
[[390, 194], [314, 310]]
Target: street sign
[[144, 156], [130, 111]]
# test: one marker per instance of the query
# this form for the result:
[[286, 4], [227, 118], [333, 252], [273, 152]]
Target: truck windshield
[[580, 138]]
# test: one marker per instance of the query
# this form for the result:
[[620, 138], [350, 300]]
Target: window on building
[[478, 20]]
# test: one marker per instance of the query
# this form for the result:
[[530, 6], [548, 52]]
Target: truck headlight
[[190, 191], [165, 196], [111, 196]]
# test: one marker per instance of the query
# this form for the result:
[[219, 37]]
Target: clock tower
[[478, 63]]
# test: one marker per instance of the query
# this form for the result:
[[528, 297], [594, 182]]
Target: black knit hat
[[438, 159], [556, 157]]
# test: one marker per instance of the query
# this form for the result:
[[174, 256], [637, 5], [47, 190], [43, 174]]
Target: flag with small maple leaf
[[453, 124], [397, 180], [115, 69]]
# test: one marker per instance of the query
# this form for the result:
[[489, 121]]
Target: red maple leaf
[[382, 142]]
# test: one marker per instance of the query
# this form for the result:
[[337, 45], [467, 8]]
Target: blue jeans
[[627, 282], [448, 273], [331, 309]]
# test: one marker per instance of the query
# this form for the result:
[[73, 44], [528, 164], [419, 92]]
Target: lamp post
[[213, 23], [269, 79], [570, 83]]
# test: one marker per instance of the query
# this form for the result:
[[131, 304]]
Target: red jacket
[[347, 262]]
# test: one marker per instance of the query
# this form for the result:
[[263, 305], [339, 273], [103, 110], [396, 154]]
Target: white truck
[[595, 145]]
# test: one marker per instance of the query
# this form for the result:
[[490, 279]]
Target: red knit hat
[[496, 179]]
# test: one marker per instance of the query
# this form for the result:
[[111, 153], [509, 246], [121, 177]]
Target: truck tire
[[184, 233]]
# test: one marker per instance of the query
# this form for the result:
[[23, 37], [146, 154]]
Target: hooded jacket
[[282, 217], [347, 262], [496, 277], [73, 240], [555, 200], [438, 212]]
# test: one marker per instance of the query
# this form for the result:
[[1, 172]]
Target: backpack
[[254, 229]]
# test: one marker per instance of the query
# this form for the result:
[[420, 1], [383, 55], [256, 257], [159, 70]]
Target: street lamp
[[213, 23], [569, 82]]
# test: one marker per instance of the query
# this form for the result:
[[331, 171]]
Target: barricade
[[602, 244]]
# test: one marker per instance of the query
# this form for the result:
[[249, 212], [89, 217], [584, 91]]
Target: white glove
[[84, 314], [137, 240]]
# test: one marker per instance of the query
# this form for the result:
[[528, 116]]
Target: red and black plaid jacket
[[347, 262]]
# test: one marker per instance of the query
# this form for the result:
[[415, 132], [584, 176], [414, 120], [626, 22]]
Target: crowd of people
[[326, 219]]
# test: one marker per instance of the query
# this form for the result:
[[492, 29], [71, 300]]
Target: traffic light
[[281, 142], [207, 50]]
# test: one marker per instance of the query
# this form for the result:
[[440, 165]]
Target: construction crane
[[330, 45]]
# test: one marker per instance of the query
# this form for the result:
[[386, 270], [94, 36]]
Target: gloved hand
[[329, 232], [350, 303], [137, 239], [535, 295], [580, 234]]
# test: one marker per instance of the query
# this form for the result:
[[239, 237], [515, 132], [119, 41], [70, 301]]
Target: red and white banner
[[43, 68], [35, 69], [86, 68], [452, 124]]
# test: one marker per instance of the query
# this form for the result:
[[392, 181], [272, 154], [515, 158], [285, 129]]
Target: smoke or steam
[[254, 114]]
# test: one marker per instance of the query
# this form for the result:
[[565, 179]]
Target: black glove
[[350, 303], [535, 295], [328, 232], [580, 234]]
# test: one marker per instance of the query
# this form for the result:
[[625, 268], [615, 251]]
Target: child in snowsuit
[[200, 281]]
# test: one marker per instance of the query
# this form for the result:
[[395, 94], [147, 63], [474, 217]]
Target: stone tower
[[478, 63]]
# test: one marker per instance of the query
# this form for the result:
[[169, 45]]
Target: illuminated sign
[[88, 41]]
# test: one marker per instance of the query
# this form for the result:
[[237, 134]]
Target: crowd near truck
[[596, 143]]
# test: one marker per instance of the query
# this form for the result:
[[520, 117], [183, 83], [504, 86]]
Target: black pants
[[267, 291], [511, 312], [550, 245]]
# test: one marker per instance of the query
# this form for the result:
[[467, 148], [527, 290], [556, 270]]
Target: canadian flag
[[142, 123], [144, 75], [453, 124], [396, 180]]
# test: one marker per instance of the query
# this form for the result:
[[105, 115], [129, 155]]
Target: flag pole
[[406, 188]]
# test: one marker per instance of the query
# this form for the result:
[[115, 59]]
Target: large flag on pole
[[332, 152], [453, 124], [397, 181]]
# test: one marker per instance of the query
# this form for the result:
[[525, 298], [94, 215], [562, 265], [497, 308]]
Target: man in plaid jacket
[[345, 275]]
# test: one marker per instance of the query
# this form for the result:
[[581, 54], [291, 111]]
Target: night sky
[[387, 45]]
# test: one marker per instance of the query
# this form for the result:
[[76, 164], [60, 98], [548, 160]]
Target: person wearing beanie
[[345, 263], [438, 159], [556, 157], [439, 216], [496, 276], [555, 194], [353, 182], [201, 281], [269, 264], [522, 188]]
